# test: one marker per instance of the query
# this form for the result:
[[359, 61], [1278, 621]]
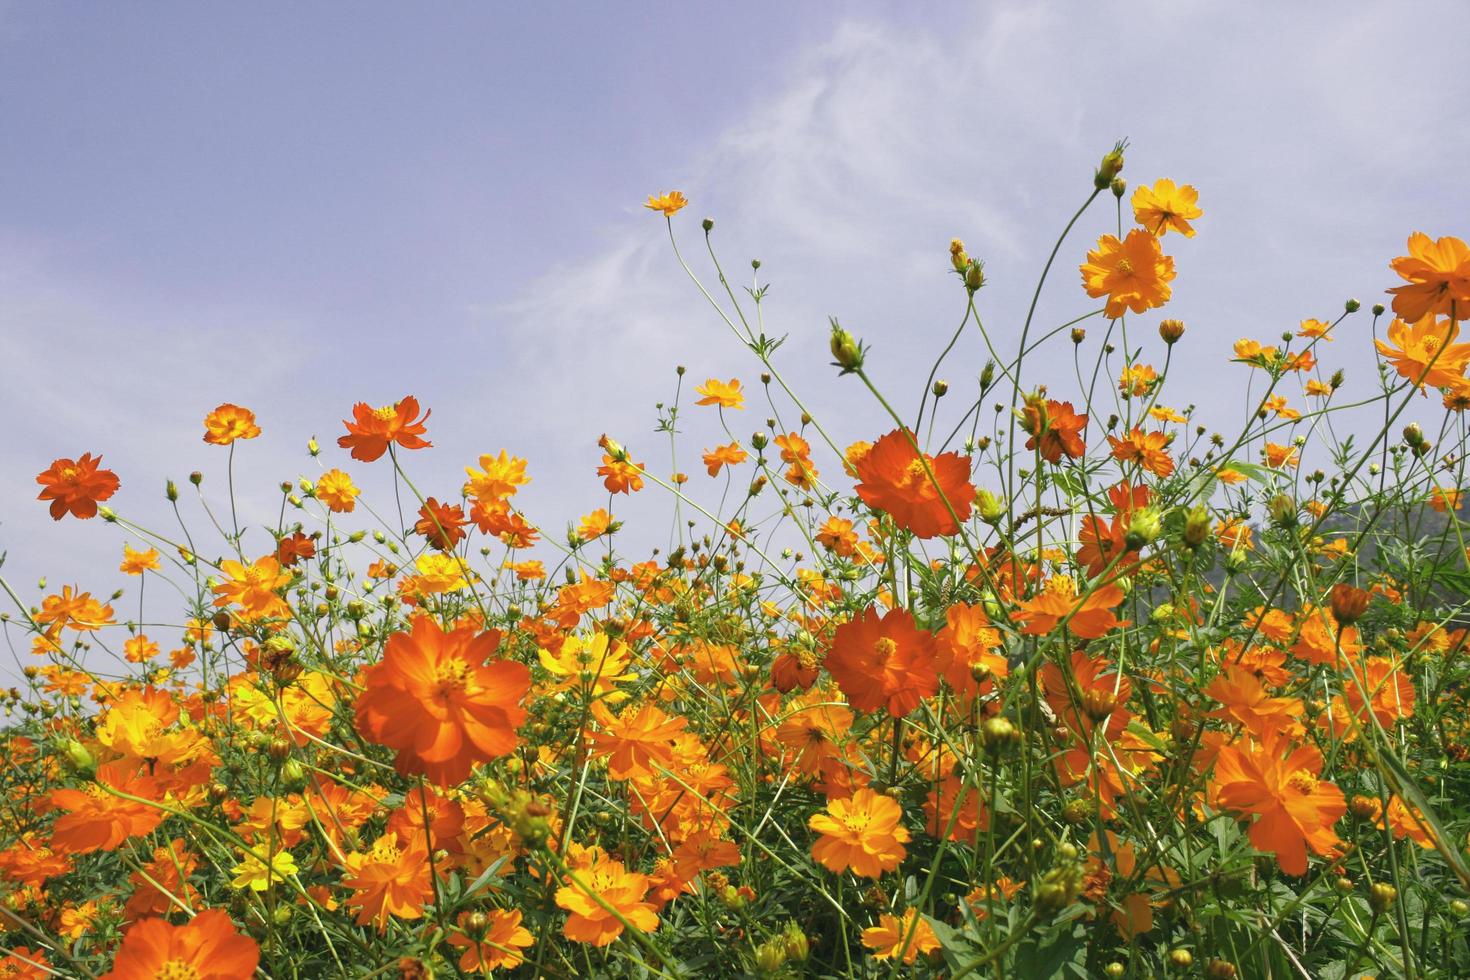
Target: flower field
[[1029, 683]]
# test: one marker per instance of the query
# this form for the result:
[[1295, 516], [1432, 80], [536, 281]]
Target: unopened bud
[[1109, 168], [1171, 330], [846, 351]]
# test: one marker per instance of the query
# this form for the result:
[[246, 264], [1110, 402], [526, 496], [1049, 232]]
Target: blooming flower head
[[76, 486], [895, 479], [1279, 786], [883, 661], [260, 871], [668, 204], [726, 394], [1437, 277], [589, 920], [893, 934], [498, 478], [389, 879], [229, 422], [1165, 207], [863, 833], [138, 562], [254, 588], [1424, 351], [1134, 274], [373, 430], [442, 525], [336, 489], [207, 947], [494, 944], [438, 700], [1088, 618], [1054, 427], [730, 454]]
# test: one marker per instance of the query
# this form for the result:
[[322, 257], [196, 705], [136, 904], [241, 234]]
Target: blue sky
[[295, 209]]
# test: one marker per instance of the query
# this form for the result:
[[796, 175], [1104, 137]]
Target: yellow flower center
[[450, 677], [915, 475], [1125, 268], [387, 413], [1430, 346], [71, 474], [177, 970], [1302, 781], [885, 648]]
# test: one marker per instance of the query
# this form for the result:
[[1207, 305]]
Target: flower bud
[[1110, 167], [988, 505], [1283, 511], [1144, 528], [1114, 970], [1219, 969], [1348, 603], [941, 388], [974, 275], [1181, 958], [846, 351], [312, 447], [1171, 330], [1196, 526], [1381, 897], [987, 376], [79, 757], [171, 491], [1352, 306], [1078, 335], [1119, 186], [196, 478]]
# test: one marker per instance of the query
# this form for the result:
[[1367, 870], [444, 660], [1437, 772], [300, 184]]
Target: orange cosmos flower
[[1279, 785], [837, 536], [229, 422], [372, 430], [254, 588], [726, 394], [1146, 449], [138, 562], [1279, 456], [1137, 379], [1438, 277], [1096, 695], [497, 478], [862, 833], [1055, 428], [668, 204], [442, 525], [294, 548], [496, 946], [893, 479], [207, 947], [24, 963], [389, 880], [1090, 618], [594, 525], [1245, 701], [436, 700], [883, 662], [966, 643], [1164, 207], [74, 610], [892, 934], [1134, 273], [728, 455], [639, 743], [76, 486], [1424, 351], [159, 882], [96, 820], [620, 475], [588, 921], [336, 489]]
